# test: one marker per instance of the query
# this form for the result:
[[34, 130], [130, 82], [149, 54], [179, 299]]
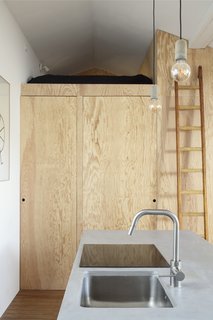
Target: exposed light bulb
[[180, 71], [154, 104]]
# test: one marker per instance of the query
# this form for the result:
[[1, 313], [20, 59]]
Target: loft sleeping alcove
[[92, 79]]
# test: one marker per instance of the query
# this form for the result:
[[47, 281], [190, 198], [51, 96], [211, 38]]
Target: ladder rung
[[188, 87], [194, 214], [186, 170], [186, 149], [190, 128], [192, 192], [189, 108]]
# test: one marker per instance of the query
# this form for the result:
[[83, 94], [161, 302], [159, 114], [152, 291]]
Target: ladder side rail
[[203, 142]]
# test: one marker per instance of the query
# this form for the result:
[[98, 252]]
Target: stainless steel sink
[[112, 289]]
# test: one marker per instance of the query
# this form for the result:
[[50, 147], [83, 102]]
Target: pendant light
[[180, 71], [154, 104]]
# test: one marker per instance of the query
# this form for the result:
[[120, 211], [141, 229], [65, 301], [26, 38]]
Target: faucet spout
[[176, 274], [161, 212]]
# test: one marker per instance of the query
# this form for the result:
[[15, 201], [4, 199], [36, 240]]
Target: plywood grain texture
[[48, 191], [119, 90], [57, 90], [95, 72], [147, 65], [167, 183], [119, 156], [79, 173], [89, 90], [57, 139]]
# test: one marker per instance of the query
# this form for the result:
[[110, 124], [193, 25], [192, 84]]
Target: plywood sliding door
[[119, 161], [48, 191]]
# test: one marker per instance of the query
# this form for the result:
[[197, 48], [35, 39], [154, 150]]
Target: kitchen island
[[193, 301]]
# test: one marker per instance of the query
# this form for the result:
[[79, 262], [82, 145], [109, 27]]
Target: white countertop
[[194, 300]]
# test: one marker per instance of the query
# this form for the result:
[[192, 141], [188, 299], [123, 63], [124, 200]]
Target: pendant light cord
[[180, 12], [153, 58]]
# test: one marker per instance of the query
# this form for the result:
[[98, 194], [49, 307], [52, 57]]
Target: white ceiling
[[71, 36]]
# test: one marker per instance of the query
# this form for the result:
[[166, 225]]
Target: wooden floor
[[34, 305]]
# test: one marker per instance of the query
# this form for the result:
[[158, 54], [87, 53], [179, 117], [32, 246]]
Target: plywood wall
[[95, 72], [119, 156], [147, 65], [167, 149], [87, 162], [48, 191]]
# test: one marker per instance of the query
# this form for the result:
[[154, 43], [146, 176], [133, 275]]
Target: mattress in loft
[[137, 79]]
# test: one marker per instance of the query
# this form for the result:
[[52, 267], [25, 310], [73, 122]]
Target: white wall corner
[[17, 63], [203, 35]]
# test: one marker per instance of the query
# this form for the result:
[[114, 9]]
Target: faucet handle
[[178, 274]]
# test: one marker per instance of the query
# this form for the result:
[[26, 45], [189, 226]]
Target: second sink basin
[[123, 290]]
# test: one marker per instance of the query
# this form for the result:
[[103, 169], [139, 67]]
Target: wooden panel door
[[119, 161], [48, 191]]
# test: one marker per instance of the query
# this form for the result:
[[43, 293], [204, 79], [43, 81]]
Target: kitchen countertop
[[193, 301]]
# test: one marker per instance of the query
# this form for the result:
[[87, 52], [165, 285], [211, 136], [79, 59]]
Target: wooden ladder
[[183, 149]]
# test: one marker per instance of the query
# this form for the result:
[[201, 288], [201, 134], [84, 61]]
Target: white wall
[[17, 64]]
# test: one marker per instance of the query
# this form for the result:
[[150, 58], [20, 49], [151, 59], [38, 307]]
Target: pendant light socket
[[180, 50], [154, 92], [180, 71], [154, 104]]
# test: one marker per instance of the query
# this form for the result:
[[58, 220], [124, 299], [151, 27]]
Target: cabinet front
[[86, 163], [119, 161], [48, 191]]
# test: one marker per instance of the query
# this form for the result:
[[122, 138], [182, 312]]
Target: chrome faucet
[[176, 275]]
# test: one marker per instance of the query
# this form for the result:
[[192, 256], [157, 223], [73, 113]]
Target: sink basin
[[123, 290], [122, 255]]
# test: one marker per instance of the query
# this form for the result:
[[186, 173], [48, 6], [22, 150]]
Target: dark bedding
[[49, 78]]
